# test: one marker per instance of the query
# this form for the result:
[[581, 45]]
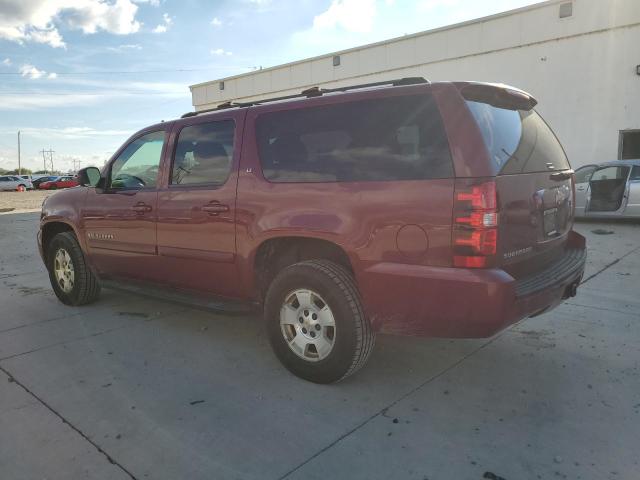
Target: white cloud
[[153, 3], [221, 51], [125, 47], [163, 27], [69, 132], [49, 36], [30, 71], [216, 22], [40, 102], [7, 62], [350, 15], [85, 92], [38, 20], [93, 15]]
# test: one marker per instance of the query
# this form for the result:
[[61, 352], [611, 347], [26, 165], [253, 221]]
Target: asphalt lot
[[137, 388]]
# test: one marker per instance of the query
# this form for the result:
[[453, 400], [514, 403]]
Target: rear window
[[518, 141], [393, 138]]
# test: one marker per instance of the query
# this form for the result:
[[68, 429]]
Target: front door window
[[138, 165]]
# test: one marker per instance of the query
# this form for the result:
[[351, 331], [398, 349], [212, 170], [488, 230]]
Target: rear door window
[[203, 154], [518, 141], [393, 138]]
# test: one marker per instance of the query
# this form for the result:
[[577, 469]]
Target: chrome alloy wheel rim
[[308, 325], [63, 268]]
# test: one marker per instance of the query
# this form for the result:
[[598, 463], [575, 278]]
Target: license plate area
[[550, 222]]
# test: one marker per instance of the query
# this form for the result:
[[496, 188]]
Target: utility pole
[[19, 166]]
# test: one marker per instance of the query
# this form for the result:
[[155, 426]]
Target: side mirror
[[89, 176]]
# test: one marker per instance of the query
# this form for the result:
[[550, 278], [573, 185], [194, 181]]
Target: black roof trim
[[313, 92]]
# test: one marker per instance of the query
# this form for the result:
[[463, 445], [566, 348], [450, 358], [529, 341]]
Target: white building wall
[[582, 69]]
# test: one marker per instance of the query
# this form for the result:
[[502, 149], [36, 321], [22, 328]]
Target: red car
[[406, 207], [59, 182]]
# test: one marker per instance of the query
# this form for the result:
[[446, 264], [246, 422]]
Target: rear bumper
[[464, 303]]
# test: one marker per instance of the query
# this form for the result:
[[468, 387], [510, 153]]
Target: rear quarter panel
[[364, 218]]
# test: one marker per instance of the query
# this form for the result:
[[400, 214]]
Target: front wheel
[[72, 280], [22, 188], [315, 321]]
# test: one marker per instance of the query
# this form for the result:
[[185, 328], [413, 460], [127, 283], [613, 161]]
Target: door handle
[[558, 176], [215, 208], [581, 189], [141, 207]]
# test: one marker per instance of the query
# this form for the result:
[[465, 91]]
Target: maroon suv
[[441, 209]]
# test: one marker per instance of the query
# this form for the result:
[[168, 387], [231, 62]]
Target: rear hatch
[[533, 179]]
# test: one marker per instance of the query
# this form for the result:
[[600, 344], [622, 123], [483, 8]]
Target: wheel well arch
[[50, 230], [274, 254]]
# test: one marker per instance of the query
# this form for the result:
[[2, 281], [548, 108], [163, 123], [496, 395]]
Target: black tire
[[354, 337], [86, 287]]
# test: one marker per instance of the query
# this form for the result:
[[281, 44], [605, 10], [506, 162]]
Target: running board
[[198, 300]]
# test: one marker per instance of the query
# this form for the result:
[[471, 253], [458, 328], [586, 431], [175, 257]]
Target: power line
[[134, 72], [26, 92]]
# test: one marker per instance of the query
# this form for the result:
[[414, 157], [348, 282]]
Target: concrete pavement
[[137, 388]]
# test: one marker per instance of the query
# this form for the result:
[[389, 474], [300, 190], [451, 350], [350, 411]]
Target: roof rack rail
[[313, 92]]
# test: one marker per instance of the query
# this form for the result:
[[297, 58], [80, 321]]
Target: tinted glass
[[396, 138], [610, 173], [518, 141], [203, 154], [583, 175], [635, 173], [137, 166]]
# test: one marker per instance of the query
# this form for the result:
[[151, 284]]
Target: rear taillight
[[475, 223]]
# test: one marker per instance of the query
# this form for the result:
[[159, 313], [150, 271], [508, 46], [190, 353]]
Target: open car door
[[608, 189]]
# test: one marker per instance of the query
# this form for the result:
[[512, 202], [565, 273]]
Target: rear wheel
[[315, 321], [72, 280]]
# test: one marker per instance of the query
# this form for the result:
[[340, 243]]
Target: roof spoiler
[[498, 95]]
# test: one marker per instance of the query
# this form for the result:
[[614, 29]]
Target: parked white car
[[29, 180], [15, 183], [610, 189]]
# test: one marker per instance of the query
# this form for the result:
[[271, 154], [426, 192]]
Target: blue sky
[[80, 76]]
